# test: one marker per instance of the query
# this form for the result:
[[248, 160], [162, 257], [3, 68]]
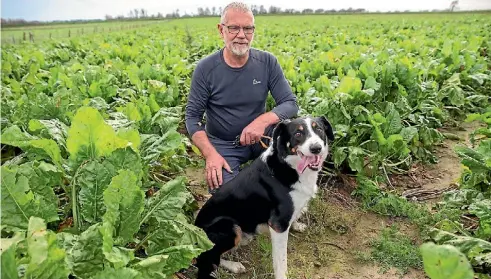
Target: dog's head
[[303, 143]]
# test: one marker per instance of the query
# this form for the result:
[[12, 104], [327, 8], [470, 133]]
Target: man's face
[[237, 31]]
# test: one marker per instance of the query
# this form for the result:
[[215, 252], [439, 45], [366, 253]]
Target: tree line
[[143, 14]]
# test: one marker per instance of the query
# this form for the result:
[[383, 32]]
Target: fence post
[[24, 36]]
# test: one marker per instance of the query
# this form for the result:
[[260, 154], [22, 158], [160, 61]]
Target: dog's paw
[[298, 226], [234, 267]]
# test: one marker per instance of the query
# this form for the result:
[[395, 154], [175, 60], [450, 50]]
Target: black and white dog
[[273, 190]]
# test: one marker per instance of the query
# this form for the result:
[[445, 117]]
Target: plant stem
[[74, 206], [386, 176], [144, 240], [76, 220]]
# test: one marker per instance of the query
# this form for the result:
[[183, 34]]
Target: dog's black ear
[[327, 127], [280, 136]]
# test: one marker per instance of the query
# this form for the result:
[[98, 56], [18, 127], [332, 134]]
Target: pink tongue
[[306, 160]]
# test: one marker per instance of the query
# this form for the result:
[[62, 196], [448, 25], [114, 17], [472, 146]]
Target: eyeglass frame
[[253, 28]]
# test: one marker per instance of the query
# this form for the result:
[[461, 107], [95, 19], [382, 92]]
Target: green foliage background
[[94, 149]]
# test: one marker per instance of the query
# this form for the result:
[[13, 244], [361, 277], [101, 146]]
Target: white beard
[[239, 50]]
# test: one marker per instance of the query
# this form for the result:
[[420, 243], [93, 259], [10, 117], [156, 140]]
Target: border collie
[[271, 191]]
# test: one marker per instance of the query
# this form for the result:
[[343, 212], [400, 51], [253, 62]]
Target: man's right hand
[[214, 165]]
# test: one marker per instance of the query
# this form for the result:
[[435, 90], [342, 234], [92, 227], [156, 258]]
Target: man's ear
[[220, 29], [327, 127]]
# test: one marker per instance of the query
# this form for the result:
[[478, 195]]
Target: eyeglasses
[[234, 29]]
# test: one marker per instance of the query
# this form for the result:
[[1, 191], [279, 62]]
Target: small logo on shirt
[[254, 81]]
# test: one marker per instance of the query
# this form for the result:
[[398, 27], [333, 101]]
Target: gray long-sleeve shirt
[[233, 97]]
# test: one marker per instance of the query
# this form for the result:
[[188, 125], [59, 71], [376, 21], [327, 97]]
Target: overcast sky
[[92, 9]]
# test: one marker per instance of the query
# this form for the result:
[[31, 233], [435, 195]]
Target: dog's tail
[[225, 234]]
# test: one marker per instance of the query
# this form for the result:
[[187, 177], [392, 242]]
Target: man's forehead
[[237, 17]]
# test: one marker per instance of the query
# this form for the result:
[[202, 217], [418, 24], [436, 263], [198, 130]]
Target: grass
[[395, 249]]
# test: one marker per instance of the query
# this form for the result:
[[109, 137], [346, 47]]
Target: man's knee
[[226, 176]]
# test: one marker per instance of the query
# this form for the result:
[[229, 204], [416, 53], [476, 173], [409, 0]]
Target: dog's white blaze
[[312, 139]]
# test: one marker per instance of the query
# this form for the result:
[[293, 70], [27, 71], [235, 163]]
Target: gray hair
[[239, 6]]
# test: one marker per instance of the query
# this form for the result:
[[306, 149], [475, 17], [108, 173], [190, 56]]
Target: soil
[[339, 231]]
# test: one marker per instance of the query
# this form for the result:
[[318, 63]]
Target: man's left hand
[[252, 133]]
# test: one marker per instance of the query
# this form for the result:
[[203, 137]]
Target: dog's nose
[[315, 148]]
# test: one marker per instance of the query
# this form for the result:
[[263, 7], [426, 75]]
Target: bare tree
[[453, 5], [262, 10]]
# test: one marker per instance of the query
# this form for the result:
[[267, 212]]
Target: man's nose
[[241, 33]]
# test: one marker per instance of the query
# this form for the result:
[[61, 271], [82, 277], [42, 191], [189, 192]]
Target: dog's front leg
[[280, 243]]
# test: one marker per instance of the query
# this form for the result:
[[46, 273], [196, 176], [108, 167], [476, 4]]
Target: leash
[[237, 141]]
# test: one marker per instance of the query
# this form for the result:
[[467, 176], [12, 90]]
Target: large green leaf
[[177, 232], [349, 85], [94, 176], [53, 128], [482, 209], [124, 202], [393, 124], [46, 258], [20, 203], [475, 249], [43, 177], [472, 159], [120, 273], [84, 252], [151, 267], [92, 180], [168, 202], [445, 262], [37, 146], [8, 255], [90, 137]]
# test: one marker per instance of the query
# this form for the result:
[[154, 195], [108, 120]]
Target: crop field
[[100, 180], [20, 34]]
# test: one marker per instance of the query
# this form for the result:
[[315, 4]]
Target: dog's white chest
[[303, 191]]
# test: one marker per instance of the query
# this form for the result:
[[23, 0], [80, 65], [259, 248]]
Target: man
[[230, 87]]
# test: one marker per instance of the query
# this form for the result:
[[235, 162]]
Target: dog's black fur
[[259, 194]]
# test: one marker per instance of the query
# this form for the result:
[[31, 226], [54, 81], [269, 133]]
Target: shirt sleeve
[[196, 104], [286, 101]]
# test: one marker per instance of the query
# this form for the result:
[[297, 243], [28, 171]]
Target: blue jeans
[[237, 155]]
